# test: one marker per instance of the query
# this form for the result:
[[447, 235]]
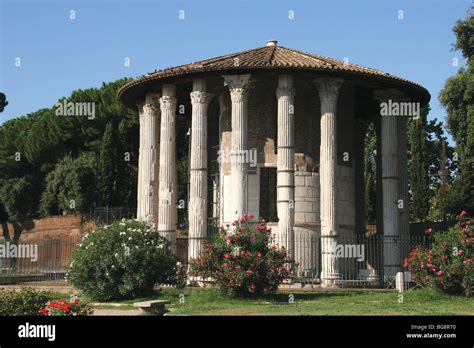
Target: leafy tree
[[18, 197], [71, 187], [457, 97]]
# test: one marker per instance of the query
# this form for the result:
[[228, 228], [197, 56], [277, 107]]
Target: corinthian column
[[148, 159], [286, 163], [390, 183], [328, 91], [238, 87], [167, 192], [198, 168]]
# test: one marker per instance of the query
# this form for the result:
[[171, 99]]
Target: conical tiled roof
[[270, 57]]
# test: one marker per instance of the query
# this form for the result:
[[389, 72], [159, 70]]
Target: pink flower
[[460, 251], [444, 257], [238, 267], [428, 231], [405, 263], [253, 286], [226, 265], [440, 273], [259, 254], [249, 272], [429, 265], [228, 239], [251, 216], [463, 213], [422, 264], [226, 256]]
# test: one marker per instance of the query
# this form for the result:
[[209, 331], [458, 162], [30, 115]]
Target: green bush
[[244, 263], [27, 301], [448, 265], [122, 261]]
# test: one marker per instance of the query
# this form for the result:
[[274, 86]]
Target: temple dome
[[270, 57]]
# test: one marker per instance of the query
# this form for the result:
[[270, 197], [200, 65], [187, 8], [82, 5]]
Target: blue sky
[[59, 55]]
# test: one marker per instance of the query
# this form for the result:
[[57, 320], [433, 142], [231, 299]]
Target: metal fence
[[109, 215], [354, 259], [35, 258]]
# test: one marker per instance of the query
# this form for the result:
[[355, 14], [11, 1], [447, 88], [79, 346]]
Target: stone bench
[[154, 307]]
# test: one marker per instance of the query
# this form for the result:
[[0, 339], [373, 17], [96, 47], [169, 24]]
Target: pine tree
[[107, 167], [419, 168]]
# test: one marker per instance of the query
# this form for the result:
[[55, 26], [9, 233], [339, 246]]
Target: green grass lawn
[[209, 301]]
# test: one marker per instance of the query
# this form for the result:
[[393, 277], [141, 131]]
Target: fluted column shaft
[[390, 185], [198, 169], [285, 165], [167, 192], [328, 92], [238, 87], [148, 167]]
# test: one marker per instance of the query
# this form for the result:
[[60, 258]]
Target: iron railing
[[355, 260], [36, 258]]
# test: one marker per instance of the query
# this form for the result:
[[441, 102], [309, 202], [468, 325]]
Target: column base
[[330, 281]]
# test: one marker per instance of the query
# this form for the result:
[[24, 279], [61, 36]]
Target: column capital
[[152, 102], [238, 86], [140, 105], [168, 103], [285, 92], [328, 88], [285, 87], [200, 97]]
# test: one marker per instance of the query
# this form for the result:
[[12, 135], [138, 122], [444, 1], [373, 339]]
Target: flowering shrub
[[66, 308], [448, 265], [123, 260], [243, 263], [27, 301]]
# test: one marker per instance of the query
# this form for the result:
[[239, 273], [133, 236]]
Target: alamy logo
[[342, 251], [75, 109], [37, 331], [13, 250], [238, 156], [393, 108]]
